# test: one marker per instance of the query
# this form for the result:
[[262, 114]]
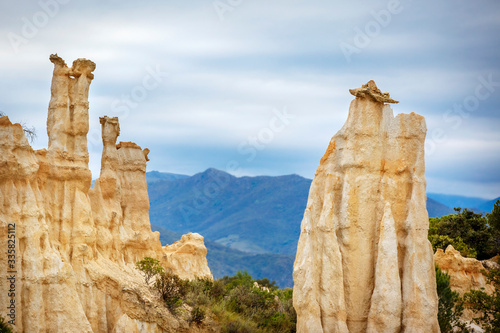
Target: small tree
[[494, 223], [486, 306], [197, 315], [149, 267], [450, 306], [4, 326], [464, 228], [171, 288]]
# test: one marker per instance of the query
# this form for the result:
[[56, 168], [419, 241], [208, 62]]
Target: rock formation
[[364, 263], [75, 247], [465, 273]]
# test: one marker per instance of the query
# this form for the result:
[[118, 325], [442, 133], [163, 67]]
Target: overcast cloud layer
[[261, 86]]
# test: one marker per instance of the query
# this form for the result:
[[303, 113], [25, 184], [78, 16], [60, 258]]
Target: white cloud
[[225, 77]]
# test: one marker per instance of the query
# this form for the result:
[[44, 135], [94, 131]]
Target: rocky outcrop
[[465, 273], [364, 263], [75, 247]]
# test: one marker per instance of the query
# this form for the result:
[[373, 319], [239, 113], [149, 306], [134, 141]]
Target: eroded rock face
[[364, 263], [465, 273], [76, 247]]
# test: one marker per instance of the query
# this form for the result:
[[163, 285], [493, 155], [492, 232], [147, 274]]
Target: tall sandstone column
[[364, 263], [73, 248]]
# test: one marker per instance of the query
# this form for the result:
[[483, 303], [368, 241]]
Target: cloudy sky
[[262, 85]]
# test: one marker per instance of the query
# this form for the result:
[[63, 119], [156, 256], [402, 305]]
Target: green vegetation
[[239, 303], [474, 235], [264, 212], [149, 267], [450, 305], [172, 289], [487, 307], [4, 326], [224, 261]]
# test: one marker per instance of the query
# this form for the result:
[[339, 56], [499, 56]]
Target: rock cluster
[[363, 262], [465, 273], [75, 247]]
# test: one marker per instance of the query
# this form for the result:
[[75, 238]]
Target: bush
[[197, 315], [4, 326], [266, 283], [149, 267], [467, 230], [450, 306], [199, 292], [238, 304], [172, 289], [442, 242], [486, 306], [237, 327]]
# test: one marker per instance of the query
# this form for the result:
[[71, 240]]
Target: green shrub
[[237, 327], [172, 289], [237, 303], [467, 228], [240, 279], [4, 326], [450, 306], [218, 289], [486, 306], [149, 267], [266, 283], [442, 242], [197, 315]]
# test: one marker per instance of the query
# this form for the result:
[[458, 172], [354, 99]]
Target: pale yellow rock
[[363, 260], [465, 273], [186, 256], [76, 247], [386, 303]]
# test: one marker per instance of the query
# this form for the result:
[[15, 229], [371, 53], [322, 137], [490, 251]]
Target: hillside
[[437, 209], [251, 214], [479, 205], [155, 176], [249, 223], [488, 205], [225, 261]]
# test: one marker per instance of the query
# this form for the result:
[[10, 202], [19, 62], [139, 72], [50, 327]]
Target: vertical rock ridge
[[372, 171], [76, 247], [385, 310]]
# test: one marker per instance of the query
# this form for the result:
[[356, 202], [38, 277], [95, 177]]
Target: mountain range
[[249, 223]]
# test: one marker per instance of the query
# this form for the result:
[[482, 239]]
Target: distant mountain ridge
[[479, 205], [249, 223], [155, 176], [225, 261], [252, 214]]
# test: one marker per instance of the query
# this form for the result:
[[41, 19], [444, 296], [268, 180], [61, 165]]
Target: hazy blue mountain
[[249, 223], [453, 201], [154, 176], [225, 261], [437, 209], [488, 205], [251, 214]]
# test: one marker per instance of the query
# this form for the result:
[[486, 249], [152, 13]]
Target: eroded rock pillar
[[363, 262]]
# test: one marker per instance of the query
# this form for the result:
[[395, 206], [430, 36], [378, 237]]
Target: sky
[[259, 87]]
